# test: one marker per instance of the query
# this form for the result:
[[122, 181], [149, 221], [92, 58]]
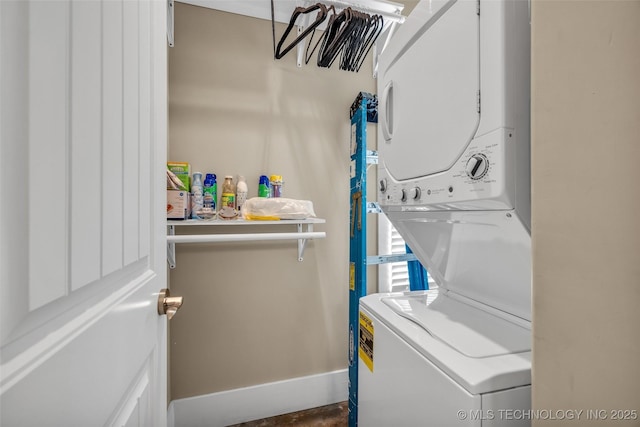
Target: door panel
[[48, 163], [83, 127], [85, 140], [130, 130], [112, 179], [80, 375]]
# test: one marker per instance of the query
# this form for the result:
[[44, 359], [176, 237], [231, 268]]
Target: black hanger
[[335, 37], [375, 25], [348, 39], [335, 28], [307, 55], [354, 41], [322, 14]]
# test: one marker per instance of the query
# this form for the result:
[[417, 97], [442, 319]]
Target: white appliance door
[[429, 90], [83, 127]]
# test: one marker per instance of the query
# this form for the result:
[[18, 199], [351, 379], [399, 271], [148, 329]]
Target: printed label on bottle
[[208, 201], [228, 200], [242, 197], [208, 198], [263, 190], [197, 201]]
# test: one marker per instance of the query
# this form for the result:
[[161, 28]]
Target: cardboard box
[[183, 171], [178, 204]]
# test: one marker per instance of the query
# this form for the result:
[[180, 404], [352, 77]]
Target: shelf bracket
[[300, 47], [385, 259], [171, 248], [302, 243], [372, 157], [170, 21], [374, 207]]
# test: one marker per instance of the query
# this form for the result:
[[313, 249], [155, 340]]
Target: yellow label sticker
[[365, 346], [352, 276]]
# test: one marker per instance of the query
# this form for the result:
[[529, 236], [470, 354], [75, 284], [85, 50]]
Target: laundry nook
[[329, 213]]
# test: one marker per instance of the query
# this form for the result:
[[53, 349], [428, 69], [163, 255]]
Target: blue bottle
[[210, 191], [263, 187]]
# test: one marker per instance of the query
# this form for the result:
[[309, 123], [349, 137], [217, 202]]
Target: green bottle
[[210, 191]]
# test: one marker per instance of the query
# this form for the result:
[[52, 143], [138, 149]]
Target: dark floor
[[335, 415]]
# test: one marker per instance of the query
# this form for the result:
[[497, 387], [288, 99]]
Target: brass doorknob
[[167, 304]]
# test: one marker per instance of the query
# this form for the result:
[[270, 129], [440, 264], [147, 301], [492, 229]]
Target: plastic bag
[[173, 182], [273, 209]]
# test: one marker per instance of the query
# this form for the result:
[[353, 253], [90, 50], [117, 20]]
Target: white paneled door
[[82, 212]]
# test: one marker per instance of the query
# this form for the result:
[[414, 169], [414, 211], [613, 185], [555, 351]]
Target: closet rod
[[391, 16], [218, 238]]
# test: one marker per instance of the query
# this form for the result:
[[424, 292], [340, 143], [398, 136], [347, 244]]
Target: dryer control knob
[[383, 185], [403, 195], [415, 193], [477, 166]]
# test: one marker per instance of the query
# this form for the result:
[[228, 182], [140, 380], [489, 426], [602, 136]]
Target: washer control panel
[[475, 181], [477, 166]]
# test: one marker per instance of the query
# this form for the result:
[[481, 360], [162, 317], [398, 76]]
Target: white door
[[83, 132]]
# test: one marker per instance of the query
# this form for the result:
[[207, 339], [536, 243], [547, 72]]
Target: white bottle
[[241, 192], [197, 195]]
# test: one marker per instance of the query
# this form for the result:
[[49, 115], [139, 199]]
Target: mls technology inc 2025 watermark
[[548, 414]]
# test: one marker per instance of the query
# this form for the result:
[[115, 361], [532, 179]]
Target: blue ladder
[[365, 110]]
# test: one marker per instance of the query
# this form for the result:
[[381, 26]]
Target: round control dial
[[403, 195], [415, 193], [477, 166], [383, 185]]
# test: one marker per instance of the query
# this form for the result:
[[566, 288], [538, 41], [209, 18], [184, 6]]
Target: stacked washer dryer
[[454, 175]]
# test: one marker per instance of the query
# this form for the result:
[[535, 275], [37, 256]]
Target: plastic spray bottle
[[197, 195], [241, 192], [210, 191]]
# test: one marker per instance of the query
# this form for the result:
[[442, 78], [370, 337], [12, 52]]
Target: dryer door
[[429, 89]]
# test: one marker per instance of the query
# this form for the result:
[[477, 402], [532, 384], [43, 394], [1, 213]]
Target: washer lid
[[481, 349], [470, 331]]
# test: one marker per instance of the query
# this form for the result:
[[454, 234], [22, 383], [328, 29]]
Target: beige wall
[[253, 313], [586, 204]]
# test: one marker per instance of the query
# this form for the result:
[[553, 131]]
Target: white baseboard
[[171, 416], [260, 401]]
